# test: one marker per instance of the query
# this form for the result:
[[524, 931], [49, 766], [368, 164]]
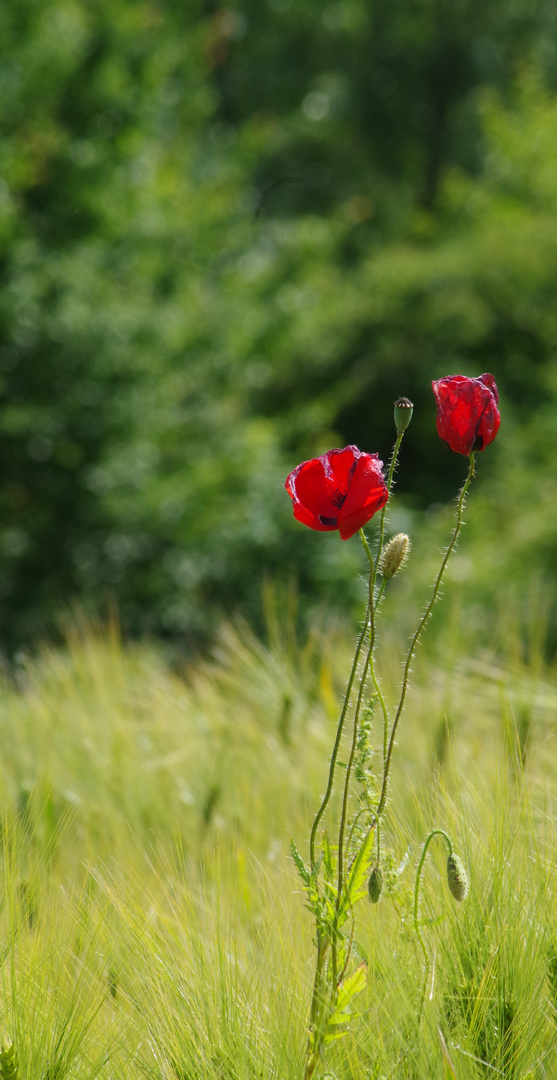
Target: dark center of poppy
[[333, 522], [337, 498]]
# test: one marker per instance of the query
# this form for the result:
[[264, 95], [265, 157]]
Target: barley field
[[152, 922]]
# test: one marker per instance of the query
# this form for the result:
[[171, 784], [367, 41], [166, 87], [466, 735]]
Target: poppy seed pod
[[457, 877], [404, 409], [394, 556], [375, 884]]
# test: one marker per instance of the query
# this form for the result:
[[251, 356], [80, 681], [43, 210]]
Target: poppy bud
[[375, 884], [394, 556], [457, 877], [403, 413]]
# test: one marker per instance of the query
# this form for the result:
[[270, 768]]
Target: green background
[[230, 237]]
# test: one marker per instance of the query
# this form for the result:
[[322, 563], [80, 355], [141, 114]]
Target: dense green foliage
[[230, 236]]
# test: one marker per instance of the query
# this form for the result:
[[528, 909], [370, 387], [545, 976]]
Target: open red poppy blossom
[[467, 415], [341, 490]]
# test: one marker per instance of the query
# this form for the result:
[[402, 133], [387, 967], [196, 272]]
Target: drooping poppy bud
[[467, 415], [341, 490], [457, 877], [375, 884], [404, 409], [394, 556]]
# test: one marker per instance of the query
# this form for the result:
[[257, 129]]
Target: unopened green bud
[[457, 877], [394, 556], [403, 413], [375, 884]]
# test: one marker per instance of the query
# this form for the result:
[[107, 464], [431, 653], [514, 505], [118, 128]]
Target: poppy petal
[[339, 466], [341, 490], [309, 487], [489, 381], [367, 493], [489, 425]]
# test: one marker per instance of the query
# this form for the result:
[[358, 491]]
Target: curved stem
[[417, 635], [374, 825], [434, 832]]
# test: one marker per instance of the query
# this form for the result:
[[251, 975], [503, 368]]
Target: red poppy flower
[[467, 415], [341, 490]]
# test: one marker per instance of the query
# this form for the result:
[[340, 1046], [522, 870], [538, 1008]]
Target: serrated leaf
[[316, 867], [328, 857], [335, 1035], [356, 885], [300, 864], [351, 986]]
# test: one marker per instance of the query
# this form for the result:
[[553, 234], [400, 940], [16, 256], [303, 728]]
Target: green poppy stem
[[446, 837], [336, 746], [422, 623]]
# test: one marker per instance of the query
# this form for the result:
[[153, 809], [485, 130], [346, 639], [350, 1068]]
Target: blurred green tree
[[230, 236]]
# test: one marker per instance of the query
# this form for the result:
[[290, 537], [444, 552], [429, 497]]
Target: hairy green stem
[[392, 463], [316, 1018], [336, 746], [417, 635], [377, 688], [344, 811], [316, 1012], [376, 603], [372, 602], [374, 825], [377, 600], [349, 949]]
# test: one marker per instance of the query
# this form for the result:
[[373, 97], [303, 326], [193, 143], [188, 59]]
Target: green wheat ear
[[9, 1065]]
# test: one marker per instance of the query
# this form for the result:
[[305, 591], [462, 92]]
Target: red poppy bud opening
[[341, 490], [467, 415]]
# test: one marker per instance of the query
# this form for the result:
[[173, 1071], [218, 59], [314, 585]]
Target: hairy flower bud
[[375, 884], [403, 413], [457, 877], [394, 555]]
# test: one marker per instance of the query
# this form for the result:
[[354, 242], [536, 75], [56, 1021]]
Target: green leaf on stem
[[351, 986], [356, 885], [328, 858], [339, 1019], [300, 864]]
